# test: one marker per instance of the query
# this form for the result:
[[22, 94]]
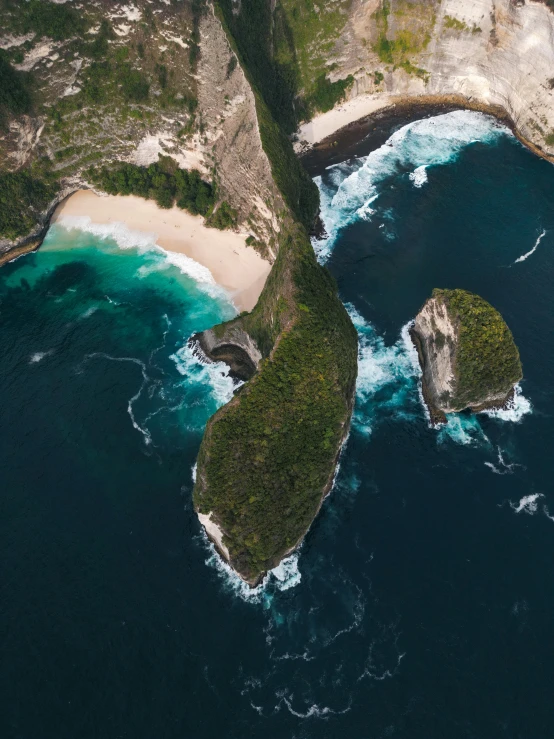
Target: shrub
[[56, 21], [98, 49], [22, 197], [15, 90], [327, 94], [134, 85], [163, 182], [224, 217], [487, 359]]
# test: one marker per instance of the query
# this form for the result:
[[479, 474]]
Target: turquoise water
[[420, 604]]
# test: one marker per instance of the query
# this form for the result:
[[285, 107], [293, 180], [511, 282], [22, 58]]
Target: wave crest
[[347, 190]]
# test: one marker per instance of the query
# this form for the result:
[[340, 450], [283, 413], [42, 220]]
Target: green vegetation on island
[[268, 456], [487, 360]]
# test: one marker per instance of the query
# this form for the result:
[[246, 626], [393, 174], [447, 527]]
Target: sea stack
[[467, 354]]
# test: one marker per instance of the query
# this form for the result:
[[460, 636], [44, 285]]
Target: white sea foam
[[387, 375], [39, 356], [283, 577], [504, 468], [546, 512], [371, 672], [533, 250], [287, 573], [414, 148], [314, 711], [193, 471], [89, 311], [130, 405], [527, 504], [463, 428], [214, 374], [518, 407], [419, 176], [125, 237], [145, 243]]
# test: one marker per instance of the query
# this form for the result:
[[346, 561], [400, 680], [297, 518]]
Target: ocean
[[421, 601]]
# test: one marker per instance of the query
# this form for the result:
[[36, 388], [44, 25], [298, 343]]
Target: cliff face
[[488, 52], [467, 354], [436, 338], [113, 81]]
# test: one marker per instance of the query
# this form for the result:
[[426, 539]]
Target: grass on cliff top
[[53, 20], [413, 24], [267, 456], [487, 359]]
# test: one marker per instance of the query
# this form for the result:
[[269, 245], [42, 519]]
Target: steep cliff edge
[[467, 354], [498, 54], [93, 84]]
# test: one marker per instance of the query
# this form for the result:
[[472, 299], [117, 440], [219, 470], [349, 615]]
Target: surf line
[[534, 249]]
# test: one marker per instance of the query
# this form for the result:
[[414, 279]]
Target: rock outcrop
[[467, 354]]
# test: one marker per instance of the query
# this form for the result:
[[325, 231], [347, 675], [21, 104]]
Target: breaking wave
[[156, 258], [525, 256], [39, 356], [388, 376], [349, 190], [283, 577], [203, 373], [527, 504], [518, 407]]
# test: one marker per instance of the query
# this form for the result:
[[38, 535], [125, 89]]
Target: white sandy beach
[[233, 265], [325, 124]]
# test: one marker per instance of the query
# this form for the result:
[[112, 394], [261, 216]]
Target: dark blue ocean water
[[421, 603]]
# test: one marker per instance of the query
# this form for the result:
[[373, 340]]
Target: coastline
[[336, 136], [236, 267]]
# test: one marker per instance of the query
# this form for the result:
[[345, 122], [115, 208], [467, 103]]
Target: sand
[[236, 267], [325, 124], [214, 532]]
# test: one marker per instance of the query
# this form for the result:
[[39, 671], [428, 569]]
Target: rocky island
[[467, 354]]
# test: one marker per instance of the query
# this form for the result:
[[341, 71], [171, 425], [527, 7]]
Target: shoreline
[[239, 269], [356, 138]]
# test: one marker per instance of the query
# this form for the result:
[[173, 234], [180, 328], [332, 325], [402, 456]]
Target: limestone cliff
[[493, 53], [109, 81], [467, 354]]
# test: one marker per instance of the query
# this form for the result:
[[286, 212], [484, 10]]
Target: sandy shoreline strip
[[325, 124], [234, 266]]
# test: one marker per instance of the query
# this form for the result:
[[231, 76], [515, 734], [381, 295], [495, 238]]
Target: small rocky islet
[[467, 354]]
